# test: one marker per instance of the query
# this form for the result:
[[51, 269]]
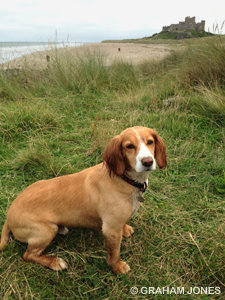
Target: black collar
[[141, 186]]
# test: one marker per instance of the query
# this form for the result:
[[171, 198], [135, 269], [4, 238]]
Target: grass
[[59, 120], [182, 34], [172, 38]]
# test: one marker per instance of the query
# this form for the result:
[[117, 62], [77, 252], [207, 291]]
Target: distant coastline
[[21, 44], [12, 50]]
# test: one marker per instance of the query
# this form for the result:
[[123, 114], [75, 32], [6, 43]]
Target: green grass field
[[166, 37], [58, 121]]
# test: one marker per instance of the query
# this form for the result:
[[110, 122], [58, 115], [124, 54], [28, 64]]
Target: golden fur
[[96, 197]]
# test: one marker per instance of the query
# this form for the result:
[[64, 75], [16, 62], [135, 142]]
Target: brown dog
[[104, 196]]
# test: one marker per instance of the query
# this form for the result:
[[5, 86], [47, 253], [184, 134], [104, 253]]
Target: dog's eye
[[150, 142], [130, 146]]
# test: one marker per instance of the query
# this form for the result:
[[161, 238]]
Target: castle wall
[[188, 24]]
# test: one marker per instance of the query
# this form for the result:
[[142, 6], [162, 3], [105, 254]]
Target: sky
[[97, 20]]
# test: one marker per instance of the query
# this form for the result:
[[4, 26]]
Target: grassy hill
[[166, 37], [177, 35], [58, 121]]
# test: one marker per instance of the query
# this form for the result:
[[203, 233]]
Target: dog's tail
[[4, 236]]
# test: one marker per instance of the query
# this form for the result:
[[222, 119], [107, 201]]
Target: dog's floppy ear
[[160, 151], [113, 158]]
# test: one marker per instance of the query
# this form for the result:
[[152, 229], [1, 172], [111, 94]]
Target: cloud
[[99, 19]]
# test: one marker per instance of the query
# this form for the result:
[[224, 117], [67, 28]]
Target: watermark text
[[195, 290]]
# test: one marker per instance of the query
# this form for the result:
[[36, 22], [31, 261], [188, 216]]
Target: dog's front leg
[[113, 237]]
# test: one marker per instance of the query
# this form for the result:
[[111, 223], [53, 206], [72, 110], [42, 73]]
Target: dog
[[104, 196]]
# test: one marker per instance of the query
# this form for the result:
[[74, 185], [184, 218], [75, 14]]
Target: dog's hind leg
[[127, 230], [41, 237]]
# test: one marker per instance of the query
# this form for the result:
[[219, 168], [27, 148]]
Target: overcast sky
[[95, 20]]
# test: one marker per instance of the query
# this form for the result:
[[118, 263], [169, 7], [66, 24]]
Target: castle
[[188, 24]]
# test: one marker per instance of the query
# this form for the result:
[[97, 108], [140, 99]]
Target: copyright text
[[196, 290]]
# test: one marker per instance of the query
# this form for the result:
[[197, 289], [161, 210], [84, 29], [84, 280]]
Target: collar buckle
[[144, 187]]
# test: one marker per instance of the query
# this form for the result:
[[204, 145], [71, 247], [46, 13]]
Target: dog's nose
[[147, 161]]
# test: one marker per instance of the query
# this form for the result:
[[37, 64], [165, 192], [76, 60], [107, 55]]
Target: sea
[[12, 50]]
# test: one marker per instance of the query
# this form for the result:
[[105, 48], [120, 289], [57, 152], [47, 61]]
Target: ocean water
[[12, 50]]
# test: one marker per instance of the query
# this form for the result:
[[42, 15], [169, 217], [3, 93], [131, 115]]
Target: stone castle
[[188, 24]]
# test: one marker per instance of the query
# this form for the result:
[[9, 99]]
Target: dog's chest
[[135, 202]]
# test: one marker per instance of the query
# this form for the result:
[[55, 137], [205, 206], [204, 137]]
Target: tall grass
[[58, 120], [210, 102], [10, 87], [200, 64], [204, 64], [88, 73], [78, 74], [200, 68]]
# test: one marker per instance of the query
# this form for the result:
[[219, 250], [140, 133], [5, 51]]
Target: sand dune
[[132, 53]]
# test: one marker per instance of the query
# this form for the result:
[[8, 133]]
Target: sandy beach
[[132, 53]]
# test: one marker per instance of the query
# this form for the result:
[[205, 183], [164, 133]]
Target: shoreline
[[9, 51]]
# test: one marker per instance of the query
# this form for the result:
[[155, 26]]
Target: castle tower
[[203, 25], [200, 27], [189, 20]]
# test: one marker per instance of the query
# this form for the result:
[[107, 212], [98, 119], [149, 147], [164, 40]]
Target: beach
[[130, 53], [9, 51]]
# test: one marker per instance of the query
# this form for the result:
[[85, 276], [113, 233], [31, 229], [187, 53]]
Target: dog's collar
[[141, 186]]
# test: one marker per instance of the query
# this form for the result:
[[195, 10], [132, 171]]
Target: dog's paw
[[59, 264], [63, 230], [121, 268], [127, 230]]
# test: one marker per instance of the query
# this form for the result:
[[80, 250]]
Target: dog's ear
[[113, 158], [160, 151]]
